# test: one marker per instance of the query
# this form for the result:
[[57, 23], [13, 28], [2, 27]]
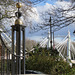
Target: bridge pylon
[[48, 43], [69, 49]]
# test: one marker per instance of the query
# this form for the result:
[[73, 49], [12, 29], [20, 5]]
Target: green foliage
[[60, 68], [38, 51], [39, 62], [45, 61]]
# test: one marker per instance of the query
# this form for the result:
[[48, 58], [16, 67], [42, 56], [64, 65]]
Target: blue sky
[[38, 35], [47, 1]]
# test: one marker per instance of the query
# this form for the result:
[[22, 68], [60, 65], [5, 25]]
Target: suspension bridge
[[66, 47]]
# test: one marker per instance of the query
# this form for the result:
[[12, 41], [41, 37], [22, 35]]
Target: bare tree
[[8, 9], [61, 16], [30, 44]]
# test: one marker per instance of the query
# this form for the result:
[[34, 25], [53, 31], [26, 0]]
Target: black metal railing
[[5, 61]]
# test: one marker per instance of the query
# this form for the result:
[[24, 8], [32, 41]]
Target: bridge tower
[[48, 43], [68, 49]]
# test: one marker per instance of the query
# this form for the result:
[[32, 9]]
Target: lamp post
[[53, 41], [50, 32], [53, 36], [19, 30], [0, 23]]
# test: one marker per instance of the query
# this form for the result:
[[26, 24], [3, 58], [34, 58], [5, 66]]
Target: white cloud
[[34, 15], [63, 4], [49, 8]]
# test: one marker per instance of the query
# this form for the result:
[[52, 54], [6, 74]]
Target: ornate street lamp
[[50, 33], [19, 30]]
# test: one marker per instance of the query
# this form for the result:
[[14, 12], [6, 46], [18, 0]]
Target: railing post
[[23, 30], [12, 62]]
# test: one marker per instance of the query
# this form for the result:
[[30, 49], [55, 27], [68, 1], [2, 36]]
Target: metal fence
[[5, 59]]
